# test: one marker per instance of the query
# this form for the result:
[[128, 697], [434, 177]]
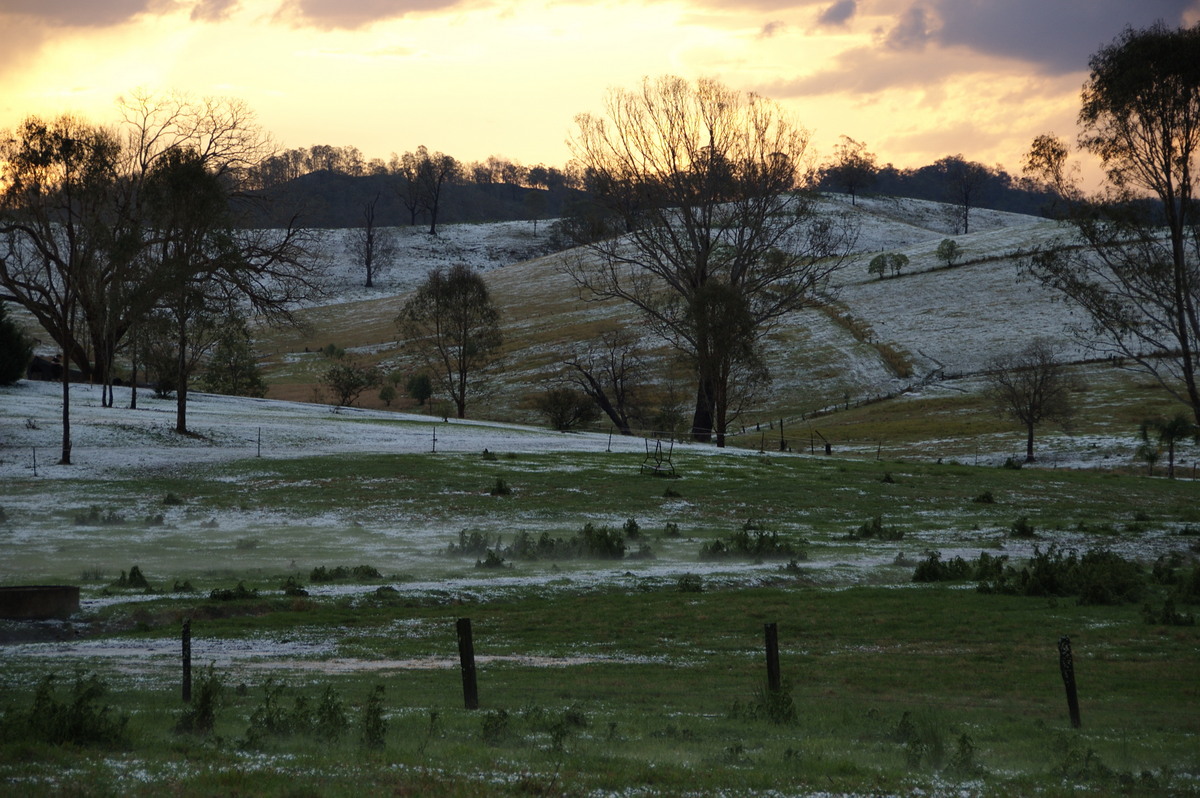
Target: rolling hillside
[[888, 367]]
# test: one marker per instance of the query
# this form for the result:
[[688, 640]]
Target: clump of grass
[[985, 498], [501, 488], [752, 541], [1021, 528]]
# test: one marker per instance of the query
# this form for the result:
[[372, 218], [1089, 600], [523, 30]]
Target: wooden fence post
[[774, 683], [1066, 663], [187, 660], [466, 656]]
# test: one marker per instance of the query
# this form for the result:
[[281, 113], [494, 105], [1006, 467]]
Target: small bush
[[985, 567], [374, 725], [875, 530], [985, 498], [631, 528], [501, 488], [670, 530], [774, 706], [473, 544], [491, 560], [80, 718], [200, 716], [495, 727], [751, 541], [239, 593], [292, 587], [690, 583], [1167, 616], [341, 573], [1099, 577], [1021, 528]]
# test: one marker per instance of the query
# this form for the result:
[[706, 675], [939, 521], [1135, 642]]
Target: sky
[[914, 80]]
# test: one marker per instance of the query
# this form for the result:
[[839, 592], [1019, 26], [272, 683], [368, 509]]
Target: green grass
[[611, 678]]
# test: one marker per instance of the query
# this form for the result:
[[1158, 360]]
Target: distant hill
[[328, 199]]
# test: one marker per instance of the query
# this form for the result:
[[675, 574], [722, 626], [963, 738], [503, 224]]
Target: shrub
[[373, 733], [501, 488], [239, 593], [16, 350], [985, 498], [80, 718], [495, 726], [566, 408], [751, 541], [985, 567], [341, 573], [200, 716], [690, 583], [949, 251], [1099, 577], [875, 530], [1021, 528], [1167, 616], [491, 560], [473, 543]]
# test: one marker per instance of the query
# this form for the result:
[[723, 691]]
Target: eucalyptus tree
[[1137, 273], [453, 327]]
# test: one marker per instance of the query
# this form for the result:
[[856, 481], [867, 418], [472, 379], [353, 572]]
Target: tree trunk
[[702, 420], [66, 411], [181, 383], [1029, 444], [1171, 459]]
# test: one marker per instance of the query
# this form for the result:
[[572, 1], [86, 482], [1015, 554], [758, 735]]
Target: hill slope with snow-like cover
[[945, 321]]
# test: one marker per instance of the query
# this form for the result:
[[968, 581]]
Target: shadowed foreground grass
[[663, 692]]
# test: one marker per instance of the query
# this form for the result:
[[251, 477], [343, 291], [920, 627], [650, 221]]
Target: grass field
[[630, 676]]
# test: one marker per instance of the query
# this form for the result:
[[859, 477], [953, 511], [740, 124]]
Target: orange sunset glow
[[913, 79]]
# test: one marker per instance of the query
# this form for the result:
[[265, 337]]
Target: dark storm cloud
[[82, 13], [1056, 35], [911, 31], [839, 13]]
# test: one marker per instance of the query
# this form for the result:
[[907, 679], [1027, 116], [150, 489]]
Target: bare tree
[[454, 328], [697, 187], [1136, 275], [372, 246], [1030, 387], [56, 190], [611, 372]]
